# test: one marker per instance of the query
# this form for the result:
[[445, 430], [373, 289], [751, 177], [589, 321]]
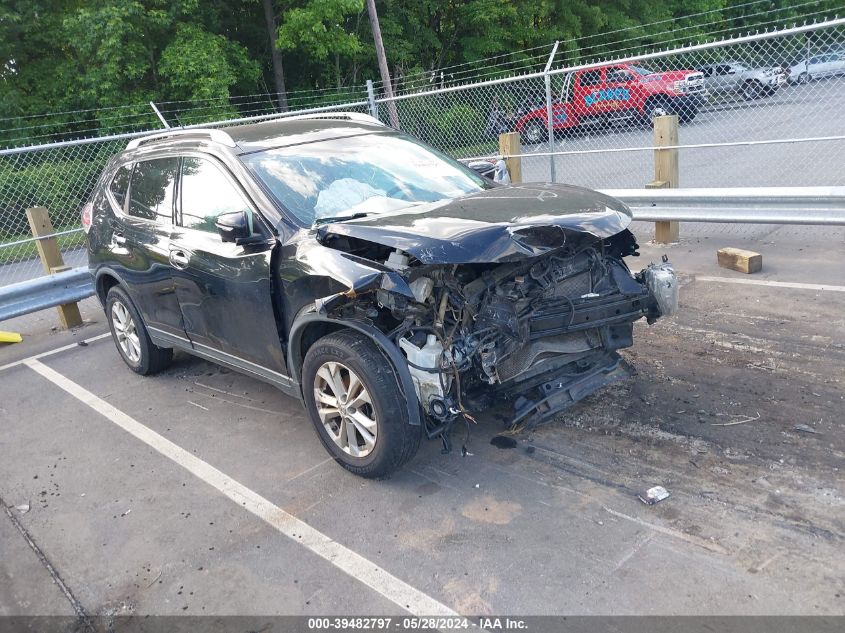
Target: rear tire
[[535, 133], [130, 335], [752, 90], [361, 416], [654, 107]]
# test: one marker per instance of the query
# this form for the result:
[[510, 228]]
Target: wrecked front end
[[539, 331]]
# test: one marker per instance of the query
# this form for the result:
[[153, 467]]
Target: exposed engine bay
[[540, 333]]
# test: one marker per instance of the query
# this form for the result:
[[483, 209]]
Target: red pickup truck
[[614, 94]]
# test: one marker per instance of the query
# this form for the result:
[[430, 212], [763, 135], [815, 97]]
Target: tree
[[319, 29], [275, 54]]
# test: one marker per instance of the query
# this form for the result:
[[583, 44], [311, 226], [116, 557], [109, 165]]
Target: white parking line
[[363, 570], [24, 361], [776, 284]]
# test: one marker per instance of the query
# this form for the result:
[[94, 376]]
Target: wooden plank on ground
[[740, 260]]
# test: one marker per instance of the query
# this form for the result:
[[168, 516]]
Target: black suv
[[392, 289]]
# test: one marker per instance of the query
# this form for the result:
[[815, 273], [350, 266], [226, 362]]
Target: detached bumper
[[559, 393]]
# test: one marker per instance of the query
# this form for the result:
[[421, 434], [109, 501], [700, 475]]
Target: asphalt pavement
[[201, 491]]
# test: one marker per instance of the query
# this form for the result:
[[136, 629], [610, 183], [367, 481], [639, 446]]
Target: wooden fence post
[[51, 259], [665, 171], [509, 145]]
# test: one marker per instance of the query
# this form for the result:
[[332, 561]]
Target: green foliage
[[61, 186], [455, 126], [199, 65], [318, 28], [105, 59]]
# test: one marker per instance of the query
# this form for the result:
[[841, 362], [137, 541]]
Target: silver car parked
[[751, 83], [818, 66]]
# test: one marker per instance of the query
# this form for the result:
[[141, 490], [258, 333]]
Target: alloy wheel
[[752, 90], [345, 409], [534, 133], [125, 332], [658, 111]]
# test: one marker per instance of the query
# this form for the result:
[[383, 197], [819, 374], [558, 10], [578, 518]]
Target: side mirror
[[233, 227]]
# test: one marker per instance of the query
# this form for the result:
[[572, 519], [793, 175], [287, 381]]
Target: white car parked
[[817, 66], [751, 83]]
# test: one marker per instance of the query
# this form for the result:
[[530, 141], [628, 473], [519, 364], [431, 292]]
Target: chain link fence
[[761, 110]]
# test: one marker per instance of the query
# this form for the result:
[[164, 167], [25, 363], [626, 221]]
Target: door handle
[[179, 259], [119, 239]]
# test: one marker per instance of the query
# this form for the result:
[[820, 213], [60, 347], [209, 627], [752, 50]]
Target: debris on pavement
[[653, 495], [503, 441], [741, 419]]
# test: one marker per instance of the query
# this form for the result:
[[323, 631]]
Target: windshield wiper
[[339, 218]]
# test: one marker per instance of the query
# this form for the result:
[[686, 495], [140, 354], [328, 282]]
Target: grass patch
[[23, 252], [484, 148]]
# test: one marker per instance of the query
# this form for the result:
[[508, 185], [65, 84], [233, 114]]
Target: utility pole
[[382, 64]]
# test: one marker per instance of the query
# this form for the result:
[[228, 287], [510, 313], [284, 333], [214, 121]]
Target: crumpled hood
[[495, 225]]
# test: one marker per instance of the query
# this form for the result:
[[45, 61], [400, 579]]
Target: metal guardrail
[[746, 205], [768, 205], [45, 292]]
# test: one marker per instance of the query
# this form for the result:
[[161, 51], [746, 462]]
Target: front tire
[[130, 335], [687, 113], [354, 401]]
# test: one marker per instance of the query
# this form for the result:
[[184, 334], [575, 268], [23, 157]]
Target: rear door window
[[206, 194], [619, 75], [120, 185], [152, 188]]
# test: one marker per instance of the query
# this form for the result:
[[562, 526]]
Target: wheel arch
[[104, 280], [310, 327]]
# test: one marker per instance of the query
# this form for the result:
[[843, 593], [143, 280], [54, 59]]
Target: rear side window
[[120, 185], [590, 78], [619, 75], [206, 194], [151, 189]]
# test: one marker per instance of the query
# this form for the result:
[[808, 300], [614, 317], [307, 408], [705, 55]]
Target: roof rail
[[351, 116], [218, 136]]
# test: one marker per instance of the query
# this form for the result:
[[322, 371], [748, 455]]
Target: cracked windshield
[[376, 173]]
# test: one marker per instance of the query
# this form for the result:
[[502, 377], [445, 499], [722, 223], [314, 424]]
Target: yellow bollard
[[10, 337]]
